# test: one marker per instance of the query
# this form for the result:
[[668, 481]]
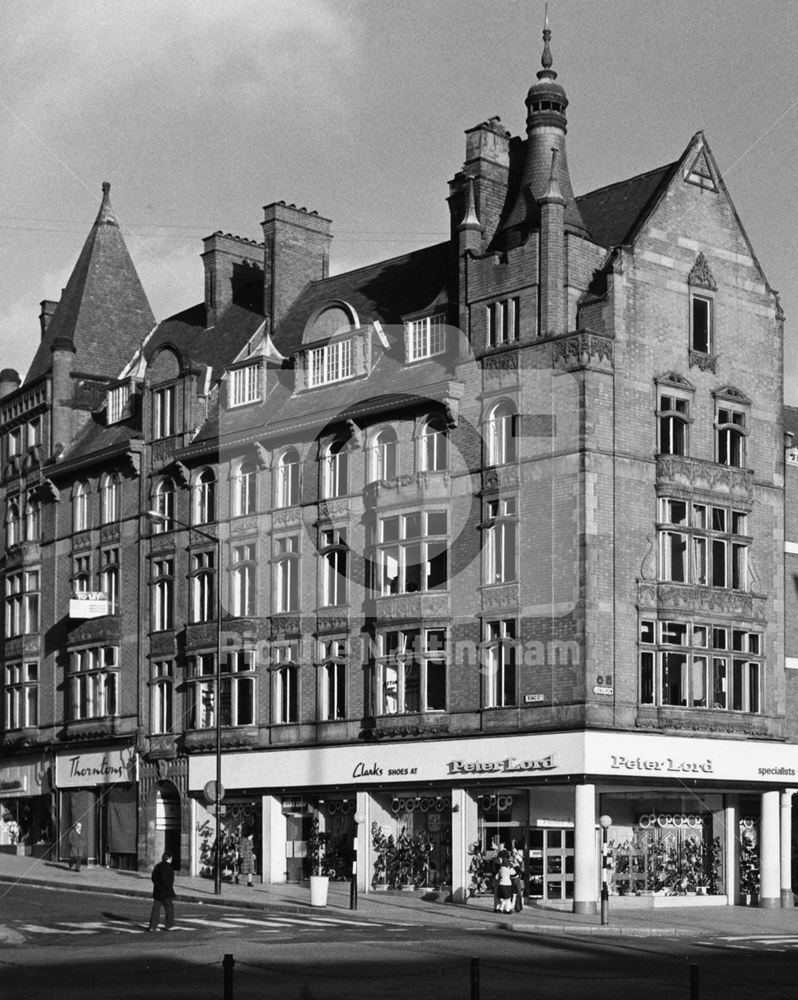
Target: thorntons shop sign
[[78, 770]]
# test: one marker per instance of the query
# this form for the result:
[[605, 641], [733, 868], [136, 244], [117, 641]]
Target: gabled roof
[[103, 311], [613, 214]]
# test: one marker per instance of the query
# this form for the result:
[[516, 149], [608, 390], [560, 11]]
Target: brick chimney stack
[[296, 251], [233, 273]]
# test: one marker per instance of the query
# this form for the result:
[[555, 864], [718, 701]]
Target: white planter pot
[[318, 889]]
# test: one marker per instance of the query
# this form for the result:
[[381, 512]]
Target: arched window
[[80, 507], [205, 497], [33, 519], [384, 456], [335, 470], [109, 498], [13, 527], [287, 479], [502, 434], [246, 489], [433, 451], [164, 504]]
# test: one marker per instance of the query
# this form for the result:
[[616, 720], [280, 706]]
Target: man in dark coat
[[76, 847], [163, 892]]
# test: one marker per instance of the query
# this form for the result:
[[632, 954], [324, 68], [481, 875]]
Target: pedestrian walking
[[504, 885], [246, 859], [76, 847], [163, 892]]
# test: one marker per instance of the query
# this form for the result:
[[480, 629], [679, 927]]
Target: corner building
[[483, 544]]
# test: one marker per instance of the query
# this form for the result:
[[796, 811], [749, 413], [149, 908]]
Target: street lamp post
[[605, 822], [156, 515]]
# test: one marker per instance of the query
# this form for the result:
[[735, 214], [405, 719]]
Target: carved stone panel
[[413, 607], [696, 474], [583, 350], [500, 596]]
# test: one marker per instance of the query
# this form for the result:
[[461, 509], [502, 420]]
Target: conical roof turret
[[546, 127]]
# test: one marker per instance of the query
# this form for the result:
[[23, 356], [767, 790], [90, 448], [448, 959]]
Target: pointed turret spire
[[546, 126], [103, 313]]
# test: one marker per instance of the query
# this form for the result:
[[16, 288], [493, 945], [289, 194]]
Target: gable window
[[500, 664], [205, 497], [730, 435], [94, 683], [333, 679], [286, 574], [331, 363], [162, 696], [80, 507], [246, 489], [384, 456], [502, 322], [410, 672], [672, 418], [287, 482], [164, 416], [164, 504], [109, 498], [335, 470], [285, 684], [701, 331], [433, 452], [426, 337], [412, 553], [21, 695], [244, 385], [333, 567], [502, 434]]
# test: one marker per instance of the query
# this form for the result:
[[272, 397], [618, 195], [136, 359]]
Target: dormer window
[[331, 363], [426, 337], [244, 385], [117, 403]]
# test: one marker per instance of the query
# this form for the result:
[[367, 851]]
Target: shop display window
[[411, 848]]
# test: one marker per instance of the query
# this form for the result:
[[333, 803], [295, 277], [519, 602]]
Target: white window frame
[[246, 489], [330, 363], [162, 697], [409, 562], [164, 423], [94, 683], [502, 319], [163, 591], [411, 653], [501, 663], [287, 478], [21, 701], [244, 580], [426, 337], [502, 433], [501, 540], [244, 385]]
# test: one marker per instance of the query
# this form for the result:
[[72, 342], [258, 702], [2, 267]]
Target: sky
[[200, 112]]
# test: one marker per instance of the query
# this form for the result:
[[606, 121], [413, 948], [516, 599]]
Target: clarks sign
[[508, 765]]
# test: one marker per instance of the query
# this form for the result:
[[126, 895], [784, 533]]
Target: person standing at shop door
[[76, 847], [163, 892]]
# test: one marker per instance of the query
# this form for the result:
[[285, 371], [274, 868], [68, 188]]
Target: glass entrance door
[[551, 863]]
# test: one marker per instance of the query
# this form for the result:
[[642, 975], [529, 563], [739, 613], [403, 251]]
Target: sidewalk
[[403, 907]]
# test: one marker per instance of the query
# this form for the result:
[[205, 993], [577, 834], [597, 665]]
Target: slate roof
[[613, 214], [386, 291], [216, 346], [103, 311]]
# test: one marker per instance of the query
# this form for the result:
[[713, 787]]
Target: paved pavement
[[408, 907]]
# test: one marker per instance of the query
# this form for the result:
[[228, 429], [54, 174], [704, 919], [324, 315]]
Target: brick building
[[484, 542]]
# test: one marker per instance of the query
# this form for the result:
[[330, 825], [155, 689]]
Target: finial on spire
[[106, 213], [545, 59], [106, 187]]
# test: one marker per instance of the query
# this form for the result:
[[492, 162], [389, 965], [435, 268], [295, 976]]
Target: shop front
[[26, 807], [98, 789], [697, 817]]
